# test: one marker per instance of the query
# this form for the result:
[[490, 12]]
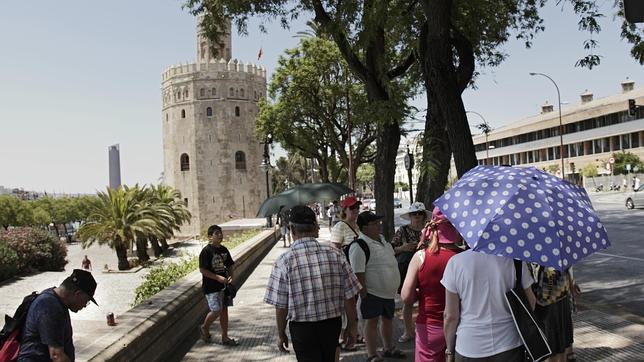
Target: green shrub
[[163, 276], [36, 249], [8, 261]]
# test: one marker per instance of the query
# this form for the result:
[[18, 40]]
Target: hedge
[[34, 249]]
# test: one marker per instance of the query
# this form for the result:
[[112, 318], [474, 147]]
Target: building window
[[231, 92], [202, 92], [209, 112], [240, 160], [186, 94], [635, 140], [237, 112], [214, 91], [241, 92], [183, 113], [185, 162], [185, 201], [166, 117]]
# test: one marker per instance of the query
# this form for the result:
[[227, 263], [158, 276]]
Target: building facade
[[593, 131], [211, 153]]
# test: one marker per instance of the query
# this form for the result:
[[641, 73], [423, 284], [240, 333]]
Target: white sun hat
[[416, 206]]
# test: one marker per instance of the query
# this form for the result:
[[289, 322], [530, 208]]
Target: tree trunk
[[164, 244], [155, 246], [121, 254], [441, 77], [142, 250], [388, 142]]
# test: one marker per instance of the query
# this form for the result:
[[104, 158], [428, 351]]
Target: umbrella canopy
[[302, 194], [524, 213]]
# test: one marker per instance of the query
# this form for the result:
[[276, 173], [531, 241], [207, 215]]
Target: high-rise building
[[211, 153]]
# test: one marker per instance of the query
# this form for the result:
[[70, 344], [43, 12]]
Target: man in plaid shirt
[[310, 286]]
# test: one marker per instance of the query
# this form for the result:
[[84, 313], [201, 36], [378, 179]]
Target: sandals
[[229, 342], [406, 338], [204, 336], [394, 353]]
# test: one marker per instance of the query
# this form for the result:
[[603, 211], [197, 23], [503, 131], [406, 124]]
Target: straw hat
[[414, 207]]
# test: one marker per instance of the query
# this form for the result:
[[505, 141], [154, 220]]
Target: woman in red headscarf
[[439, 242]]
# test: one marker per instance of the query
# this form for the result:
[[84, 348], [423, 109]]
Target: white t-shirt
[[481, 281], [381, 271], [342, 233]]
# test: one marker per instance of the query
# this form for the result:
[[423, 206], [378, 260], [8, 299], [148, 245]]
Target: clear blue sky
[[77, 76]]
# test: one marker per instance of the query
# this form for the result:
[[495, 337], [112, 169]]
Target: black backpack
[[363, 245], [10, 333]]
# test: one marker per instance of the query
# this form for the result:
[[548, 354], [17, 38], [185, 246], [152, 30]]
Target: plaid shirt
[[312, 281]]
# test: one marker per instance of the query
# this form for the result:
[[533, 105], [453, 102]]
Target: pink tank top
[[431, 293]]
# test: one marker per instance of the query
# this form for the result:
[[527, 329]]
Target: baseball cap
[[84, 281], [367, 217], [349, 201], [301, 214]]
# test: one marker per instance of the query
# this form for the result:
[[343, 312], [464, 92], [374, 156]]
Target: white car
[[635, 198]]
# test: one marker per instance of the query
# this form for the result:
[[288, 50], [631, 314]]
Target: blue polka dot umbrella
[[524, 213]]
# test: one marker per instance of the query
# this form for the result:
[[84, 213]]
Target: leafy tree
[[318, 107], [589, 170], [9, 209], [626, 158], [365, 175]]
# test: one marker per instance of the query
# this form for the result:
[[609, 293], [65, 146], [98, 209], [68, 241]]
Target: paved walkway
[[598, 336]]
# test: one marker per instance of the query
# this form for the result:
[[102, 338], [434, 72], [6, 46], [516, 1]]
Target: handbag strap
[[518, 271]]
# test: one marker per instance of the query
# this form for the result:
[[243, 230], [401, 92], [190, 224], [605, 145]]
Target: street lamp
[[486, 129], [561, 145], [265, 166]]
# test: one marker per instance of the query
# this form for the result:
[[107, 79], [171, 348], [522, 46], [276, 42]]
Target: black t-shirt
[[216, 259]]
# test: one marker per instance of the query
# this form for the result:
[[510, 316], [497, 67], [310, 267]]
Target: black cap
[[301, 214], [84, 281], [367, 217]]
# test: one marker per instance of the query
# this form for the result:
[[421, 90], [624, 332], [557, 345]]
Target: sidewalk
[[598, 336]]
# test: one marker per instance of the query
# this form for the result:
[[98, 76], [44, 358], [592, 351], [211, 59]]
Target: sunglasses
[[417, 213]]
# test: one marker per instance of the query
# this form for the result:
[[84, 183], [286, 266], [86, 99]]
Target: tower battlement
[[232, 66]]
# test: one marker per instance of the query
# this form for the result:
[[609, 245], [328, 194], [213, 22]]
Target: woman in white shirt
[[346, 230], [475, 308]]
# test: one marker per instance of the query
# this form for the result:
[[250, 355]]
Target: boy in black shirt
[[216, 267]]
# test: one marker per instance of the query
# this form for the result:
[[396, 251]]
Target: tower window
[[202, 92], [231, 92], [240, 160], [185, 162], [214, 91], [183, 113], [237, 112], [241, 92], [166, 117], [186, 94], [185, 201], [209, 112]]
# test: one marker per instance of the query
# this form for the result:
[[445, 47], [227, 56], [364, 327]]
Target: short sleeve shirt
[[216, 259], [381, 272], [481, 280], [47, 324], [342, 233]]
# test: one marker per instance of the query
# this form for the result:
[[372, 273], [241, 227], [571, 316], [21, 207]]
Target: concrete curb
[[152, 331]]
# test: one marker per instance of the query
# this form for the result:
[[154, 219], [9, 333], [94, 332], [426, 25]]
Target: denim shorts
[[217, 301]]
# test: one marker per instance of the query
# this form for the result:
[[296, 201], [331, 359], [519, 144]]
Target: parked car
[[372, 206], [397, 203], [635, 198], [365, 204]]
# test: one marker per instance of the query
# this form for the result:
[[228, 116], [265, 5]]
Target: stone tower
[[211, 154]]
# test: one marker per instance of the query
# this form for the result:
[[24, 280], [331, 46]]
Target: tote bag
[[534, 340]]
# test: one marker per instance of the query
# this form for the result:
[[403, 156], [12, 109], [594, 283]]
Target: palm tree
[[117, 218], [175, 213]]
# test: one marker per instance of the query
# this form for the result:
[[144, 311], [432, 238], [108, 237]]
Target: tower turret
[[204, 45]]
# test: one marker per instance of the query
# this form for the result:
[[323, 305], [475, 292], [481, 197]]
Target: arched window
[[186, 94], [185, 162], [214, 91], [240, 160], [166, 117], [202, 92], [231, 92], [183, 113], [237, 111], [241, 92], [209, 112]]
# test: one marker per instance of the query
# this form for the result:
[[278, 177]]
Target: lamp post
[[486, 129], [409, 165], [561, 145], [265, 166]]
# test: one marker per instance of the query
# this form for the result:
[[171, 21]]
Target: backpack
[[10, 333], [550, 285], [363, 245]]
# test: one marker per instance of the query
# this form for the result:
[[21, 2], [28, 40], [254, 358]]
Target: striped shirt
[[312, 281]]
